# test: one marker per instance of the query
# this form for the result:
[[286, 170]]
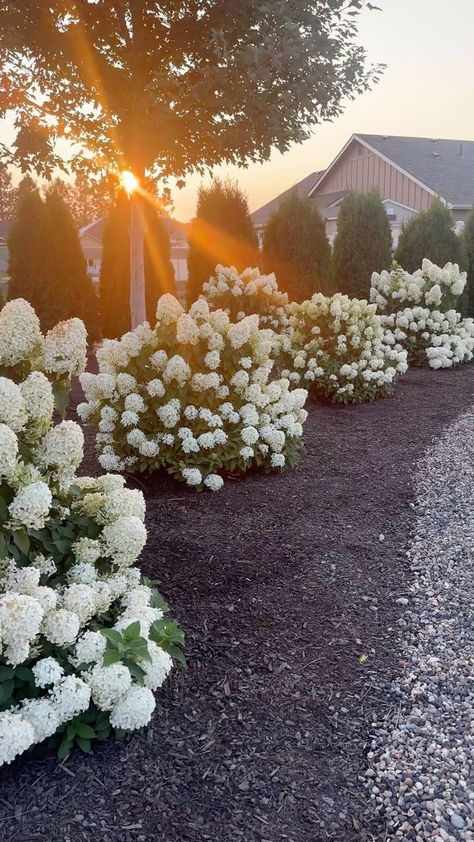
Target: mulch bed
[[281, 583]]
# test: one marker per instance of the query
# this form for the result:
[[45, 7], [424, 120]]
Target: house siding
[[362, 170]]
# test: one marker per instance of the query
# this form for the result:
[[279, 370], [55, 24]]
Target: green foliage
[[27, 251], [468, 242], [81, 731], [430, 234], [47, 264], [177, 86], [363, 243], [115, 270], [221, 233], [296, 247]]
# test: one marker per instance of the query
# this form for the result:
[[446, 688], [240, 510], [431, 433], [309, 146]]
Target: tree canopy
[[296, 247], [363, 243], [115, 269], [221, 232], [174, 86], [430, 234]]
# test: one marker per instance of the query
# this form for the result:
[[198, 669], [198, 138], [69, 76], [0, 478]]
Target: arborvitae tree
[[296, 248], [363, 243], [47, 264], [221, 232], [28, 252], [430, 234], [468, 242], [115, 269], [70, 289]]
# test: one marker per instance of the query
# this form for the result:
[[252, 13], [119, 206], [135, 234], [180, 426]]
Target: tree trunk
[[137, 262]]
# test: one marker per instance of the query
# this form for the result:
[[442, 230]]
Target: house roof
[[262, 215], [176, 230], [446, 166]]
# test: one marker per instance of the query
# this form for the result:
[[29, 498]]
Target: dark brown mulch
[[282, 583]]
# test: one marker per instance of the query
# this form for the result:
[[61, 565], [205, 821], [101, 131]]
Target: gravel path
[[421, 774]]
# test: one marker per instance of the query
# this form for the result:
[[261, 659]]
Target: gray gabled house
[[409, 173]]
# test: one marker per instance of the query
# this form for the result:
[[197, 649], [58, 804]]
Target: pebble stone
[[420, 775]]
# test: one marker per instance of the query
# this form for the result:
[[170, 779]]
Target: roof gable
[[444, 166], [303, 188]]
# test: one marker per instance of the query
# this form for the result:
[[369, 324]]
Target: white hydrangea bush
[[338, 349], [83, 638], [419, 311], [193, 396], [241, 295], [60, 354]]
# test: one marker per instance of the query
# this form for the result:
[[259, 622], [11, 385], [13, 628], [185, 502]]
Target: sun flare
[[129, 181]]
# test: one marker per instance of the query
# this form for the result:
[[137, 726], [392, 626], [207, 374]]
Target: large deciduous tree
[[296, 247], [174, 86], [363, 243], [221, 232]]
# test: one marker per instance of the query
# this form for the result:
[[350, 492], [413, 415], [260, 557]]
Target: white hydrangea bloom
[[16, 735], [124, 539], [79, 599], [42, 715], [90, 647], [13, 411], [47, 671], [135, 710], [192, 476], [70, 697], [20, 621], [214, 482], [109, 685], [86, 550], [62, 448], [20, 333], [158, 669], [61, 627], [8, 451], [65, 348], [38, 396], [31, 505]]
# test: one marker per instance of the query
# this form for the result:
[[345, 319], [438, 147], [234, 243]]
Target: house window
[[391, 214], [90, 263]]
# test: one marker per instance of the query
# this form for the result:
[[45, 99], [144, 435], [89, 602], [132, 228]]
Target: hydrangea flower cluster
[[419, 313], [338, 348], [247, 293], [61, 353], [83, 640], [193, 396]]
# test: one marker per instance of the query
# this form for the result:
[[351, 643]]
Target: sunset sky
[[426, 90]]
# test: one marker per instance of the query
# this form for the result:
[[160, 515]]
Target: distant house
[[91, 242], [4, 226], [408, 172]]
